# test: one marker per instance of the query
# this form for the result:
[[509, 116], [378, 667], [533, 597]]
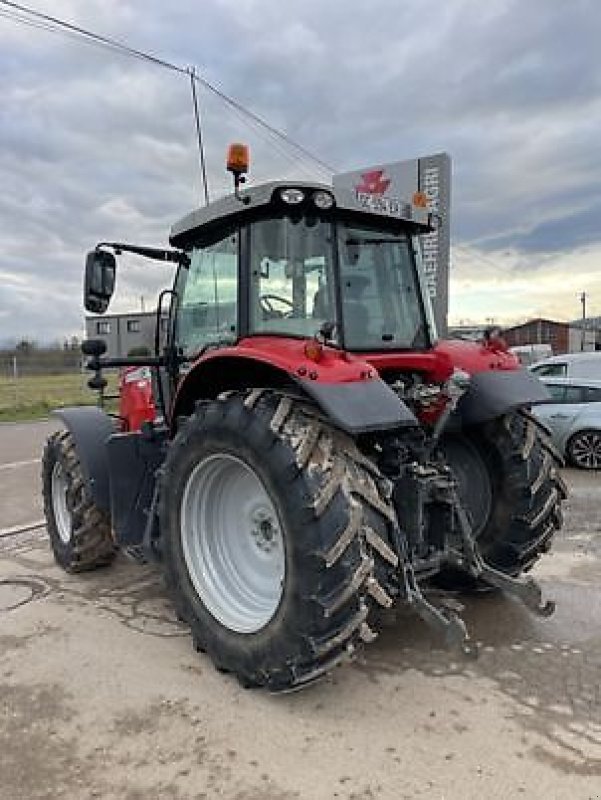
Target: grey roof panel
[[230, 207]]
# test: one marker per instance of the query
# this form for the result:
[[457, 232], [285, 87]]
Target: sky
[[98, 146]]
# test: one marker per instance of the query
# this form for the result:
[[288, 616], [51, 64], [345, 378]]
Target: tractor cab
[[273, 272], [289, 259], [301, 261]]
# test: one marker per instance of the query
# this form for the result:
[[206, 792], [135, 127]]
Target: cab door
[[206, 308]]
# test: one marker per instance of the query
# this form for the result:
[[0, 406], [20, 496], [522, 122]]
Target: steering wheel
[[266, 302]]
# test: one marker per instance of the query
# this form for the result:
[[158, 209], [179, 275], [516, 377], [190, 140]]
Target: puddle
[[16, 592]]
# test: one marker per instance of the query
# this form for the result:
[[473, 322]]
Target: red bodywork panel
[[136, 403], [438, 364], [330, 366], [334, 366]]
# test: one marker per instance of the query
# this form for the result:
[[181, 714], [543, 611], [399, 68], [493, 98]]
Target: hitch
[[444, 619], [525, 589]]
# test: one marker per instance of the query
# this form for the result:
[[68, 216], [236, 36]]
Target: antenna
[[201, 150]]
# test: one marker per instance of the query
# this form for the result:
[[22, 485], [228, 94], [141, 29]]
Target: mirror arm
[[155, 253], [96, 363]]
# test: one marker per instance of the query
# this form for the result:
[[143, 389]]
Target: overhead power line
[[46, 21], [69, 26]]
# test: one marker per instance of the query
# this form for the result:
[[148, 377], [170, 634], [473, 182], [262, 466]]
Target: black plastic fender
[[492, 394], [134, 459], [361, 407], [91, 427]]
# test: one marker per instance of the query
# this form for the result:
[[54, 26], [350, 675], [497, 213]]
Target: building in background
[[563, 337], [123, 332], [592, 325]]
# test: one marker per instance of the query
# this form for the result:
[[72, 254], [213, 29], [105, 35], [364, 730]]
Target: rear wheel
[[232, 542], [275, 534], [507, 474], [584, 449], [80, 533]]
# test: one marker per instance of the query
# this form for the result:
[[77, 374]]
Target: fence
[[31, 387]]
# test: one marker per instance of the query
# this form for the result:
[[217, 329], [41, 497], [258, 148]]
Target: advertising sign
[[388, 185]]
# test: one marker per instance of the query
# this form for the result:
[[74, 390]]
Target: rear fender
[[350, 393], [361, 407], [90, 428], [493, 394]]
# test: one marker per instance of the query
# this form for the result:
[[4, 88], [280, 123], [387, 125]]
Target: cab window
[[291, 285], [381, 304], [208, 297]]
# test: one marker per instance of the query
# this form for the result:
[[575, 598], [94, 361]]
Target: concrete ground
[[102, 696]]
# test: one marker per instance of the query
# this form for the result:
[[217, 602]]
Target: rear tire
[[276, 463], [526, 490], [80, 533]]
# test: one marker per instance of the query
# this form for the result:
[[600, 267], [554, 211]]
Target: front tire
[[275, 536], [80, 533]]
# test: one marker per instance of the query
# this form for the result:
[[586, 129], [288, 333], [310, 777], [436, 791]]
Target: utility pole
[[583, 336]]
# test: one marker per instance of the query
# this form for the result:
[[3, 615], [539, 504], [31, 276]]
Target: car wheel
[[584, 449]]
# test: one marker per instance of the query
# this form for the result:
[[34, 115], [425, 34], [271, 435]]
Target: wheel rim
[[586, 450], [232, 543], [473, 480], [62, 515]]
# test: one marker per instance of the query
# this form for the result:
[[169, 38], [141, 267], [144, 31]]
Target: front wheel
[[80, 533], [275, 538]]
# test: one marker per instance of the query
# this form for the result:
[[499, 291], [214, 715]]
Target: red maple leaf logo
[[373, 183]]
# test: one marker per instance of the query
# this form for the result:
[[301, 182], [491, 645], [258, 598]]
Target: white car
[[574, 419], [584, 366]]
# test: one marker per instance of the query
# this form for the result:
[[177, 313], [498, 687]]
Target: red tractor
[[313, 453]]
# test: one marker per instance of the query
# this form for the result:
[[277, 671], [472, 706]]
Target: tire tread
[[340, 563]]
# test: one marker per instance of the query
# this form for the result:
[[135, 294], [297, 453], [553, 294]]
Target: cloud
[[515, 286], [97, 146]]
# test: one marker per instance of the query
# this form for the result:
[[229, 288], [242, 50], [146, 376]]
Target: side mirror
[[99, 282]]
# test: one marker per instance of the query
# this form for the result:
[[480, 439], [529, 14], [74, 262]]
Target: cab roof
[[389, 213]]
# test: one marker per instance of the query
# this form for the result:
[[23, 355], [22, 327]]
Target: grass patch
[[35, 396]]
